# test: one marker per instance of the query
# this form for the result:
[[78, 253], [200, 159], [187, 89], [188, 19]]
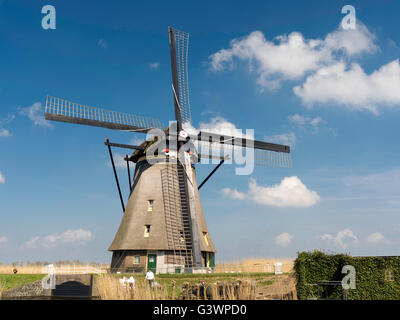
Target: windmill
[[163, 226]]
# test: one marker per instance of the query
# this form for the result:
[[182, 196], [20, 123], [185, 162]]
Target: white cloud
[[4, 132], [393, 202], [290, 57], [298, 119], [233, 194], [352, 42], [284, 138], [316, 121], [352, 87], [2, 179], [119, 161], [393, 44], [291, 192], [218, 125], [102, 43], [3, 240], [326, 236], [385, 182], [304, 120], [284, 239], [154, 65], [78, 236], [340, 240], [31, 243], [136, 141], [342, 236], [331, 78], [35, 113], [376, 238]]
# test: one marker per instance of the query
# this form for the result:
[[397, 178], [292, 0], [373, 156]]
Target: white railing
[[75, 269], [267, 268], [277, 268]]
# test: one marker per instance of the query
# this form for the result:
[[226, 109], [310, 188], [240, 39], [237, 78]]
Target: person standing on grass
[[131, 282], [150, 277], [123, 281]]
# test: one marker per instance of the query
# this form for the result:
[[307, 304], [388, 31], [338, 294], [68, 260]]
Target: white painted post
[[278, 268]]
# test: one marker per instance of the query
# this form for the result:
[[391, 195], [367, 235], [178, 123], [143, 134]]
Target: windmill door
[[152, 262], [212, 259]]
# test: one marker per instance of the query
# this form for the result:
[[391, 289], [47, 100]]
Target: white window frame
[[150, 205], [147, 233]]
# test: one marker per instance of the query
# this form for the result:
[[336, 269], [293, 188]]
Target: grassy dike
[[9, 281]]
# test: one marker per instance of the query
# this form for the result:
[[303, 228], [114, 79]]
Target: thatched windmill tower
[[163, 226], [158, 228]]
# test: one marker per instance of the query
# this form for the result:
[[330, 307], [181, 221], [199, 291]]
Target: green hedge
[[313, 267]]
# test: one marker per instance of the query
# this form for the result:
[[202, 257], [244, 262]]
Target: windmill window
[[147, 230], [137, 259], [389, 275], [205, 238], [150, 204]]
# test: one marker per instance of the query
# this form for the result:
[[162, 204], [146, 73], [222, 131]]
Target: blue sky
[[58, 198]]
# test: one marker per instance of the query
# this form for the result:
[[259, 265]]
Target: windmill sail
[[239, 141], [265, 154], [66, 111], [262, 158], [179, 44]]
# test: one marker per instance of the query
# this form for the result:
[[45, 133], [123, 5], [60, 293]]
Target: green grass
[[9, 281], [265, 283]]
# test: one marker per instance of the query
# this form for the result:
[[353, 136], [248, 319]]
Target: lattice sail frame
[[263, 158], [68, 111], [181, 50]]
